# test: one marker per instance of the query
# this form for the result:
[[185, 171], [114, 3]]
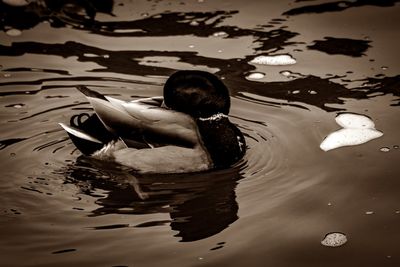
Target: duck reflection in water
[[200, 205]]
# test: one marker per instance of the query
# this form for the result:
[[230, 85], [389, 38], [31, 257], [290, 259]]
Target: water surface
[[272, 208]]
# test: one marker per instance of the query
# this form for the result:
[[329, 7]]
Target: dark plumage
[[197, 93]]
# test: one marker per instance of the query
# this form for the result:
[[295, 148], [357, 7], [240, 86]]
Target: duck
[[185, 130]]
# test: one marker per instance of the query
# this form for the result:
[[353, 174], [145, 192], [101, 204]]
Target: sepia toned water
[[274, 207]]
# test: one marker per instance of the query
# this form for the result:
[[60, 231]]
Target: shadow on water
[[324, 90], [58, 12], [337, 6], [233, 70], [341, 46], [199, 204], [201, 24]]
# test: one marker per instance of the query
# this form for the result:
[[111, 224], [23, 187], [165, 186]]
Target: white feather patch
[[108, 150], [78, 133]]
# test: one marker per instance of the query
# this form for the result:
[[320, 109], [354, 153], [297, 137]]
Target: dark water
[[271, 209]]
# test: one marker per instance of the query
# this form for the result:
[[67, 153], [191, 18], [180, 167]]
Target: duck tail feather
[[90, 93], [85, 143], [79, 133]]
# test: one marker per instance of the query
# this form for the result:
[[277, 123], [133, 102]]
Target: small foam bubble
[[291, 75], [370, 212], [384, 149], [220, 34], [90, 55], [278, 60], [349, 137], [342, 4], [334, 240], [255, 76], [285, 73], [354, 121], [194, 23], [13, 32]]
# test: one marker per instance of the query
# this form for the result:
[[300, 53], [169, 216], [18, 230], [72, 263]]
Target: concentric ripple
[[267, 171]]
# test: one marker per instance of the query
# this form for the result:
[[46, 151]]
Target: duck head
[[205, 97], [197, 93]]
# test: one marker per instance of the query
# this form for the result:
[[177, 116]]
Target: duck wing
[[143, 118], [111, 113], [164, 124]]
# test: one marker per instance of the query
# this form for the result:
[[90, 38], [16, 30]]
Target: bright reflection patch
[[357, 129]]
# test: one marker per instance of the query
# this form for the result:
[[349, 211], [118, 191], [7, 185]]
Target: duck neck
[[222, 139]]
